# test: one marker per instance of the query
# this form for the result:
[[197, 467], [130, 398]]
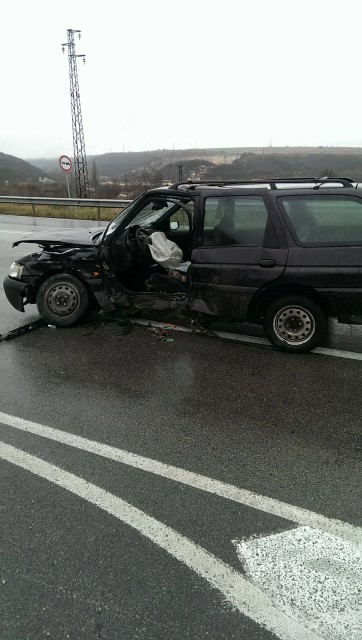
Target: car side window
[[234, 220], [323, 219]]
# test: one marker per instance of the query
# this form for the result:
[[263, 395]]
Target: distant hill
[[283, 165], [221, 163], [13, 169], [115, 165]]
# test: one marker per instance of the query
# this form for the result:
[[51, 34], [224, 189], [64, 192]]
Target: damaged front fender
[[16, 292]]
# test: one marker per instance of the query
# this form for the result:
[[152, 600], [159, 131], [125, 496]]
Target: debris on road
[[161, 332], [124, 325], [20, 331]]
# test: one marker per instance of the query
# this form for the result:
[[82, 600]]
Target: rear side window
[[238, 220], [322, 219]]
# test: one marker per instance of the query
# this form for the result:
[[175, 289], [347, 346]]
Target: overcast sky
[[181, 74]]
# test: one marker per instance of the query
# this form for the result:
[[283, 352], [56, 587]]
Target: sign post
[[66, 164]]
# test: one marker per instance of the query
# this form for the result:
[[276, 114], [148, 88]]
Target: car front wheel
[[62, 300], [295, 324]]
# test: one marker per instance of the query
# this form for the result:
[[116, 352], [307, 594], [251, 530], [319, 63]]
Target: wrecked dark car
[[285, 253]]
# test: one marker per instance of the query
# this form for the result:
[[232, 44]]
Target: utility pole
[[180, 171], [80, 159]]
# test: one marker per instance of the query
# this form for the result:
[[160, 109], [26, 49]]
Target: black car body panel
[[16, 292], [60, 237]]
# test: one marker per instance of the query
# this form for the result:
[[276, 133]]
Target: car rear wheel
[[295, 324], [62, 300]]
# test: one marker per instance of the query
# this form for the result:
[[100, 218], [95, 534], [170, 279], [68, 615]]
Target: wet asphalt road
[[283, 426]]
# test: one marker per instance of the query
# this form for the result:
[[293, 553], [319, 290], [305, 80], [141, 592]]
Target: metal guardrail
[[66, 202]]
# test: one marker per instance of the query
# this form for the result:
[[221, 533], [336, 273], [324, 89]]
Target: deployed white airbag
[[164, 251]]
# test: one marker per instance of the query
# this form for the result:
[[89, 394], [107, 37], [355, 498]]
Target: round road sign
[[65, 163]]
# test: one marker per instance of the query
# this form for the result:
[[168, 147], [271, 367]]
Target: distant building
[[197, 175], [46, 181]]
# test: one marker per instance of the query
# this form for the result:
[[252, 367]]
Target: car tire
[[295, 324], [62, 300]]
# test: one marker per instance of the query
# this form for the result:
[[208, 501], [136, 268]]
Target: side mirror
[[174, 225]]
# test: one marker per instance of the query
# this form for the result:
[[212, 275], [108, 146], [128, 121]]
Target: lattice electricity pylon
[[80, 158]]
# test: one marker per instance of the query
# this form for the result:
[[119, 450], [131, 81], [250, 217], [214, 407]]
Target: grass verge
[[47, 211]]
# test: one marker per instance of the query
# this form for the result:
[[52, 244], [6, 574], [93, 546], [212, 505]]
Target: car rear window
[[323, 219]]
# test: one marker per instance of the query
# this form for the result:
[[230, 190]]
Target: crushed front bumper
[[15, 291]]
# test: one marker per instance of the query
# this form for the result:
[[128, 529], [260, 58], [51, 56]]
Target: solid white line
[[238, 591], [227, 491], [245, 339], [10, 231], [351, 355]]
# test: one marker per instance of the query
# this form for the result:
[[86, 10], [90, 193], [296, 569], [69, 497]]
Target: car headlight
[[16, 270]]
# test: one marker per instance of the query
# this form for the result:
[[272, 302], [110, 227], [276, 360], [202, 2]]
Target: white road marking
[[10, 231], [238, 591], [245, 339], [312, 576], [203, 483], [337, 353]]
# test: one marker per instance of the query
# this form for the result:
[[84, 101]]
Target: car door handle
[[267, 263]]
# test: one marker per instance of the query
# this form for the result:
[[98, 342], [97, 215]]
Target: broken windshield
[[151, 212], [118, 219]]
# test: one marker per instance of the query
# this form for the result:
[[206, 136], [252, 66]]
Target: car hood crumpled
[[61, 237]]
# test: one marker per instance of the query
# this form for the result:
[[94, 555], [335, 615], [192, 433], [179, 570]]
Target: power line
[[80, 158]]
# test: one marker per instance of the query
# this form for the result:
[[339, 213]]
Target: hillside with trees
[[282, 165], [14, 170], [125, 175], [151, 167]]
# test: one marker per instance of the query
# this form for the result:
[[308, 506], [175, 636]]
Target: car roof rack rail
[[345, 182], [213, 183], [317, 182]]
